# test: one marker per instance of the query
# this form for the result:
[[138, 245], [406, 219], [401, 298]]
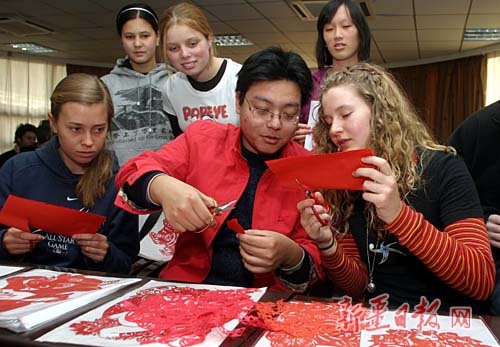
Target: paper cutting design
[[37, 296], [161, 313], [158, 244], [294, 324], [429, 338], [303, 324]]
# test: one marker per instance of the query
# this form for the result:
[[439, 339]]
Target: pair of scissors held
[[310, 195], [218, 210]]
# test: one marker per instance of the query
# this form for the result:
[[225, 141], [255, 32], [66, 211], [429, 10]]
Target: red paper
[[235, 226], [25, 214], [321, 171]]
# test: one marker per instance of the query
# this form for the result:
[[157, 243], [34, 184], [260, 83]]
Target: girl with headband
[[135, 85]]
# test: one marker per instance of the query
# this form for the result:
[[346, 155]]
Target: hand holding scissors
[[216, 210], [310, 195]]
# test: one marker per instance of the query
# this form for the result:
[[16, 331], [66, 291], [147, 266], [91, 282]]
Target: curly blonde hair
[[396, 133]]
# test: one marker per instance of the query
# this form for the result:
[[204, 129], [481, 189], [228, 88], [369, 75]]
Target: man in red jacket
[[211, 164]]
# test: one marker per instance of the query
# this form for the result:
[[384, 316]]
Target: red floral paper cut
[[165, 239], [174, 316], [305, 324], [46, 289], [427, 338]]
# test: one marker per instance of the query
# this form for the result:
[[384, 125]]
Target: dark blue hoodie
[[42, 175]]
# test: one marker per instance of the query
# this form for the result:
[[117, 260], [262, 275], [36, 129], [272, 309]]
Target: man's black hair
[[274, 64]]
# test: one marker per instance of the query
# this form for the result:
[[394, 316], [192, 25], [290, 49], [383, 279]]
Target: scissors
[[310, 195], [218, 210]]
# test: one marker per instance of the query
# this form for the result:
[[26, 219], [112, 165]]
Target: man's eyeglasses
[[266, 115]]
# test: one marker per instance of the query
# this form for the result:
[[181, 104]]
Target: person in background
[[135, 84], [475, 140], [203, 87], [214, 163], [343, 40], [73, 170], [24, 140], [416, 229], [43, 132]]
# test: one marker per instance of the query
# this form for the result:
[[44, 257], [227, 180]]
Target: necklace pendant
[[370, 287]]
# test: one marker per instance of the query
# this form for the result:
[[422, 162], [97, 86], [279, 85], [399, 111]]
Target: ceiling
[[405, 32]]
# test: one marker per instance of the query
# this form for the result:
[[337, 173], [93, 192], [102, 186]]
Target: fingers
[[493, 228], [260, 250], [380, 188], [302, 131], [16, 241], [314, 228], [494, 219], [300, 139], [94, 246], [191, 211]]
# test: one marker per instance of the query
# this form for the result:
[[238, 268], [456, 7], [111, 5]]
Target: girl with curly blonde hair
[[416, 229]]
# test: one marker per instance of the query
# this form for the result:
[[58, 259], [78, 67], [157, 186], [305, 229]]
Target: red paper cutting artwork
[[302, 324], [427, 338], [45, 289], [174, 316], [166, 239]]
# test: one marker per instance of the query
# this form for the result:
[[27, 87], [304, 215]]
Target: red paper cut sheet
[[308, 324], [235, 226], [24, 214], [162, 313], [35, 297], [321, 171]]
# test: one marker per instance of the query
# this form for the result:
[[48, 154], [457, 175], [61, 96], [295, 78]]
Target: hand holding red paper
[[94, 246], [380, 188], [263, 251], [25, 214], [16, 241]]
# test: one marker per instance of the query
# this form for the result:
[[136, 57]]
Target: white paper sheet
[[106, 333], [5, 269], [38, 296]]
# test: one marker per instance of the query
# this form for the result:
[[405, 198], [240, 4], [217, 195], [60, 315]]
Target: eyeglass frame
[[270, 114]]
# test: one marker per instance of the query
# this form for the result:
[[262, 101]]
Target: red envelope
[[321, 171], [25, 214]]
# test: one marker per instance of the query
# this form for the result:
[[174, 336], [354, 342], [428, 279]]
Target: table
[[26, 339]]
